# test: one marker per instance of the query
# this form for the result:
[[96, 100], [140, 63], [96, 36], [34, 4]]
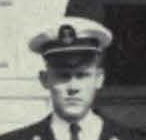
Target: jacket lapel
[[45, 129]]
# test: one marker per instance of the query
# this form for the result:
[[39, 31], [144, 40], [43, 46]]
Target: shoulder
[[115, 131], [35, 131]]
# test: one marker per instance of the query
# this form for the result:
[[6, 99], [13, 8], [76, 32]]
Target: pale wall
[[22, 99]]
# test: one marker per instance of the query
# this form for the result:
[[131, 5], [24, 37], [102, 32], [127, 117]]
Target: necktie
[[74, 130]]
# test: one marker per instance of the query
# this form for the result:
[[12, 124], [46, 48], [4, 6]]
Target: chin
[[75, 112]]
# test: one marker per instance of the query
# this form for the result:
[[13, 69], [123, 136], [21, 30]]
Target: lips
[[73, 101]]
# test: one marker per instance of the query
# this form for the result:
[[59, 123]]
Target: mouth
[[73, 101]]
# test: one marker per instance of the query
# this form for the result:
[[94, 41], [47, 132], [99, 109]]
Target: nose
[[73, 86], [72, 91]]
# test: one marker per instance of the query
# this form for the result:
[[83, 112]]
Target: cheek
[[56, 97], [60, 87], [58, 91], [88, 83], [88, 88]]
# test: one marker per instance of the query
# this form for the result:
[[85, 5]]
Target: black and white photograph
[[73, 70]]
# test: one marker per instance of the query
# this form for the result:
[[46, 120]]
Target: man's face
[[73, 90]]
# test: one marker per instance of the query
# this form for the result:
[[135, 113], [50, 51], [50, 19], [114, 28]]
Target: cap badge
[[67, 34]]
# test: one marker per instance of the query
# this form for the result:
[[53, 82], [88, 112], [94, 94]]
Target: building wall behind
[[22, 99]]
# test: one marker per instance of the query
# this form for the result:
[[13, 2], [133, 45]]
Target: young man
[[73, 53]]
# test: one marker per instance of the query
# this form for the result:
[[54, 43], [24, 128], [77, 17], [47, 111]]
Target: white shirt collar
[[90, 123]]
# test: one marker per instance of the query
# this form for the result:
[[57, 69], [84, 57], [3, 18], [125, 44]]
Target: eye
[[63, 75], [81, 74]]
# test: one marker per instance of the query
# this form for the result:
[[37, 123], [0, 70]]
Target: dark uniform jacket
[[42, 131]]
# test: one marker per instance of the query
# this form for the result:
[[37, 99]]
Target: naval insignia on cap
[[67, 34]]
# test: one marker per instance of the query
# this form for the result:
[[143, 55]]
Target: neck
[[71, 118]]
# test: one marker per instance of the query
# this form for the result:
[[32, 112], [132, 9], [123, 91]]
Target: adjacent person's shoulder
[[113, 130], [35, 131], [19, 134]]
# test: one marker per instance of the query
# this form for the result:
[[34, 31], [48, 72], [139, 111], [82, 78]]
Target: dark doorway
[[127, 58]]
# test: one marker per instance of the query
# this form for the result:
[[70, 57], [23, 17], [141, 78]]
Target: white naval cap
[[70, 34]]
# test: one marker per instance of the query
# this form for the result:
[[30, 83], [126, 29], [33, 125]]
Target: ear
[[43, 77], [100, 76]]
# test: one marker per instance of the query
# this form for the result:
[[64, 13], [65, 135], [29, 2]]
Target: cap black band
[[80, 42]]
